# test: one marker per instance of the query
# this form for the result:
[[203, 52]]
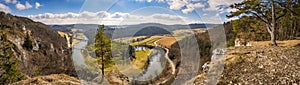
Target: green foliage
[[257, 19], [37, 71], [28, 43], [259, 9], [231, 41], [8, 64], [3, 37], [103, 48]]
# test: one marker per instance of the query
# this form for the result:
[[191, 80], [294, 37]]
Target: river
[[157, 63], [77, 56]]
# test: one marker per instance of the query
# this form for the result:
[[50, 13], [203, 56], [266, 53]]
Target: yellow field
[[166, 41], [141, 58], [148, 41], [129, 39], [280, 43]]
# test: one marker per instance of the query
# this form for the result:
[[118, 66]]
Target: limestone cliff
[[38, 49]]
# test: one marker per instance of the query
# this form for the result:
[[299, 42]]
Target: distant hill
[[112, 27], [144, 29], [46, 54]]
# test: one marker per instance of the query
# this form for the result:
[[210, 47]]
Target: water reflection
[[157, 63]]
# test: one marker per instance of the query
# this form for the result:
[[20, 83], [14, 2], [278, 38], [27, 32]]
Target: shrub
[[28, 43]]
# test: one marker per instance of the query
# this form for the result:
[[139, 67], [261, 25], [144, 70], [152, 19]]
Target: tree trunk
[[273, 25], [271, 31], [273, 38], [102, 69]]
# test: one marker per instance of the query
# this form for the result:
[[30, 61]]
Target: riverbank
[[169, 72], [141, 58]]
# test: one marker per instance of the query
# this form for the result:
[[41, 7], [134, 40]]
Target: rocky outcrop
[[49, 52]]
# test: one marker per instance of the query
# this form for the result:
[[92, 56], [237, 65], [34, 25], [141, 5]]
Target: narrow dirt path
[[167, 57]]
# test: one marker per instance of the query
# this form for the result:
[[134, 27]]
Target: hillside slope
[[38, 49], [54, 79], [260, 65]]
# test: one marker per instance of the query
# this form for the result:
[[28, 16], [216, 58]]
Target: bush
[[28, 43]]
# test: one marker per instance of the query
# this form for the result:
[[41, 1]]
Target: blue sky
[[115, 12]]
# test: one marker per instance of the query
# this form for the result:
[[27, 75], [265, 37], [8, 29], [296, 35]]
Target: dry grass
[[141, 58], [181, 34], [199, 30], [166, 41], [280, 43], [148, 41], [129, 39], [54, 79]]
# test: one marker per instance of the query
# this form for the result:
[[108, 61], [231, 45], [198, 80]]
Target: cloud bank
[[10, 1], [187, 6], [18, 5], [4, 8], [102, 17]]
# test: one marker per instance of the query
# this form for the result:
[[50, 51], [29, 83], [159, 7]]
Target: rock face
[[49, 53]]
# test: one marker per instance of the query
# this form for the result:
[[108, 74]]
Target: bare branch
[[264, 19], [280, 16]]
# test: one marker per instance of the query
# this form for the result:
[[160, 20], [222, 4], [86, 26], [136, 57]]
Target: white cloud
[[214, 5], [160, 0], [153, 0], [212, 19], [37, 5], [28, 5], [217, 19], [4, 8], [167, 17], [187, 6], [191, 7], [187, 10], [177, 4], [11, 1], [20, 6], [103, 17]]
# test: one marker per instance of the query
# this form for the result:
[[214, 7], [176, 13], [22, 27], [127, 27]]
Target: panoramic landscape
[[149, 42]]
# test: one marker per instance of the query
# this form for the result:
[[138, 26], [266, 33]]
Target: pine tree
[[103, 49], [268, 11], [8, 63]]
